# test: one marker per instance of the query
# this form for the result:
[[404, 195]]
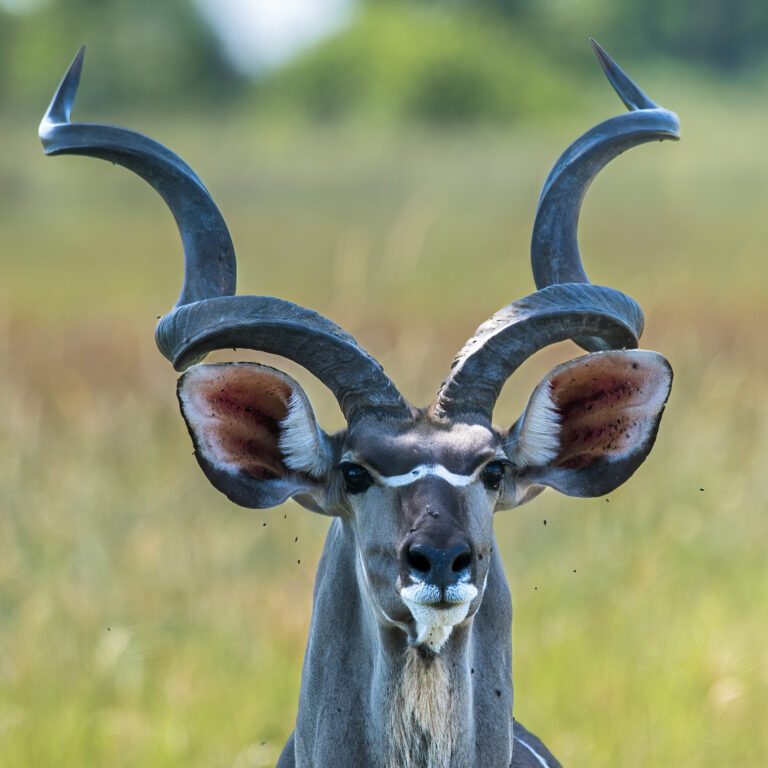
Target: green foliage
[[721, 34], [424, 65], [147, 52], [725, 34], [432, 62]]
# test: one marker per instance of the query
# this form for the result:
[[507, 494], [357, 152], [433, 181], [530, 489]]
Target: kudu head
[[418, 486]]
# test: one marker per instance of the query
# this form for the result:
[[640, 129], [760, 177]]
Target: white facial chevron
[[426, 470]]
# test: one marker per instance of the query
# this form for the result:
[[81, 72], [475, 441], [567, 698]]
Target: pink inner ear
[[235, 414], [607, 406]]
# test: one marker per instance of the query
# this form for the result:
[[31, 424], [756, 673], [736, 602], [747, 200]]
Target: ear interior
[[254, 432], [606, 408], [599, 413], [236, 413]]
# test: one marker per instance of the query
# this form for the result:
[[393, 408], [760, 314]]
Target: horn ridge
[[567, 305], [210, 265], [508, 338], [268, 324], [555, 254], [207, 316]]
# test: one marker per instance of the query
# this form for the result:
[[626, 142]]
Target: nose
[[441, 567]]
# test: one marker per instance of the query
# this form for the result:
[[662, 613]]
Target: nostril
[[462, 562], [437, 566], [417, 561]]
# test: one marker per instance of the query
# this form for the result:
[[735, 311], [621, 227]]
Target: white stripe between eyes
[[427, 470], [541, 760]]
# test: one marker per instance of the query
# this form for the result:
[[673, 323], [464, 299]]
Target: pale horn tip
[[60, 108], [627, 90]]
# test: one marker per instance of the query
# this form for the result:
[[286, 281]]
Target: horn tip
[[626, 89], [606, 62], [599, 50], [60, 107]]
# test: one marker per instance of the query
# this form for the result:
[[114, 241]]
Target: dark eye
[[492, 475], [356, 478]]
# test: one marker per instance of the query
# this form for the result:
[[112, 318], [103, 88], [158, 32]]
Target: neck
[[429, 711], [366, 692]]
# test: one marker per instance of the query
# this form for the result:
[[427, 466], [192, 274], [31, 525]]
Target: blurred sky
[[258, 34], [23, 6]]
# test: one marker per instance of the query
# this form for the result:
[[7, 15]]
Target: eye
[[356, 478], [492, 475]]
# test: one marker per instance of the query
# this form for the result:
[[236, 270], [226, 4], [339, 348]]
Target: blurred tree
[[436, 61], [729, 34], [724, 34], [147, 51], [425, 65]]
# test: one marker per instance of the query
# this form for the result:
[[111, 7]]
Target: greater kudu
[[409, 655]]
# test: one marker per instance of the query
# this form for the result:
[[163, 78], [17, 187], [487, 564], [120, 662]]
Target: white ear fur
[[301, 442], [537, 440]]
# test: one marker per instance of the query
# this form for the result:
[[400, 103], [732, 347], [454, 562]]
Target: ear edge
[[246, 491], [603, 473], [601, 476], [243, 487]]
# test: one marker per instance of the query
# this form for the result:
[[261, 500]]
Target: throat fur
[[422, 722]]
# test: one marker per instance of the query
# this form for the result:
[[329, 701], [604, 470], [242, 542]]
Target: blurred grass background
[[146, 621]]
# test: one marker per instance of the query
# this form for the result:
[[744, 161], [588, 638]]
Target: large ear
[[255, 435], [590, 423]]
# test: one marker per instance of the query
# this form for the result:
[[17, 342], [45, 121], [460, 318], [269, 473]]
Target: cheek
[[377, 554], [382, 573], [479, 506], [377, 537]]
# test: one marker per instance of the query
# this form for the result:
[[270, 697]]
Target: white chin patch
[[434, 619]]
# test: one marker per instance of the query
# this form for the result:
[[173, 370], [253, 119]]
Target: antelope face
[[422, 498]]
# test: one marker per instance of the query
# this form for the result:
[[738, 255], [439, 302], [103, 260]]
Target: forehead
[[394, 448]]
